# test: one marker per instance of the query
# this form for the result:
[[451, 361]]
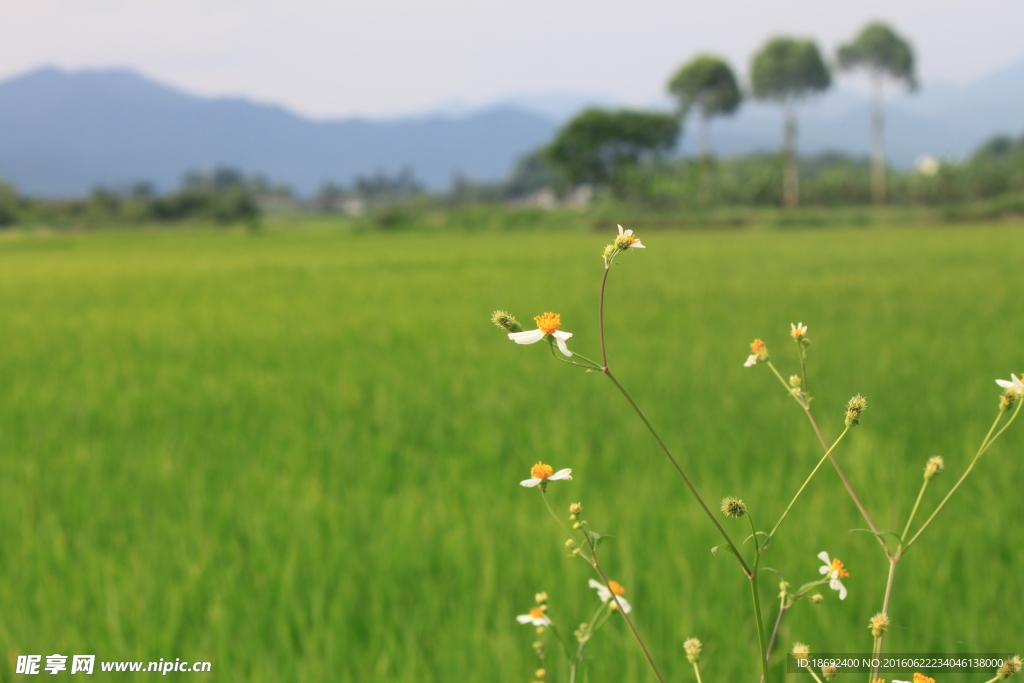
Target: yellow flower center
[[797, 332], [837, 566], [757, 346], [548, 322], [625, 241], [921, 678], [541, 471], [536, 613], [616, 588]]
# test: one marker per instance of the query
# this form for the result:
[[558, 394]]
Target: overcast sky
[[327, 58]]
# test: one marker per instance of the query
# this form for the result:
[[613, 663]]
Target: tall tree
[[881, 52], [788, 70], [706, 83], [597, 145]]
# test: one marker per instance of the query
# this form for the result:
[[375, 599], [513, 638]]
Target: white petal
[[561, 474], [751, 360], [524, 618], [593, 583], [637, 245], [837, 585], [626, 609], [823, 556], [561, 334], [562, 347], [528, 337], [1005, 384], [620, 229], [821, 570], [529, 483]]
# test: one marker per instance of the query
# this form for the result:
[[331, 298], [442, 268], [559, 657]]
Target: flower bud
[[541, 598], [854, 408], [801, 651], [935, 465], [817, 598], [733, 507], [1009, 667], [795, 381], [692, 646], [570, 543], [506, 321], [829, 672], [1007, 399], [575, 509], [878, 624]]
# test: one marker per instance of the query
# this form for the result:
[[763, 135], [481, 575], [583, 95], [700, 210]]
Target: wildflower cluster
[[583, 542], [625, 240]]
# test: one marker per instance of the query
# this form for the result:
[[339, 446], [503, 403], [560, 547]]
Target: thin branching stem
[[589, 365], [757, 602], [989, 440], [877, 651], [775, 631], [806, 482], [600, 317], [636, 634], [657, 437], [682, 474], [913, 512], [801, 399]]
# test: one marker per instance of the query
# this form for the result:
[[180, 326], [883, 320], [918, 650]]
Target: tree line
[[601, 146], [223, 196]]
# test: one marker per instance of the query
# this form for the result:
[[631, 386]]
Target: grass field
[[296, 454]]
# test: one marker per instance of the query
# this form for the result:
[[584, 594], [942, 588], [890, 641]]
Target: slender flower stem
[[811, 671], [913, 512], [775, 631], [989, 440], [640, 641], [600, 317], [696, 671], [877, 650], [585, 632], [801, 399], [682, 474], [803, 369], [544, 497], [757, 603], [589, 365], [806, 482]]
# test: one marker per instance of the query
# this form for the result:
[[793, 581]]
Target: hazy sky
[[387, 57]]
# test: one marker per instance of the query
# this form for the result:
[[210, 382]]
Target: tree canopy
[[881, 50], [706, 82], [788, 69], [597, 144]]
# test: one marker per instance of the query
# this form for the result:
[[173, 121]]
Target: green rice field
[[296, 454]]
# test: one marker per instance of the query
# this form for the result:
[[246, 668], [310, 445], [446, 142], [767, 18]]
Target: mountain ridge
[[64, 133]]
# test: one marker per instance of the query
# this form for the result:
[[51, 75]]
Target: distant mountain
[[65, 133]]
